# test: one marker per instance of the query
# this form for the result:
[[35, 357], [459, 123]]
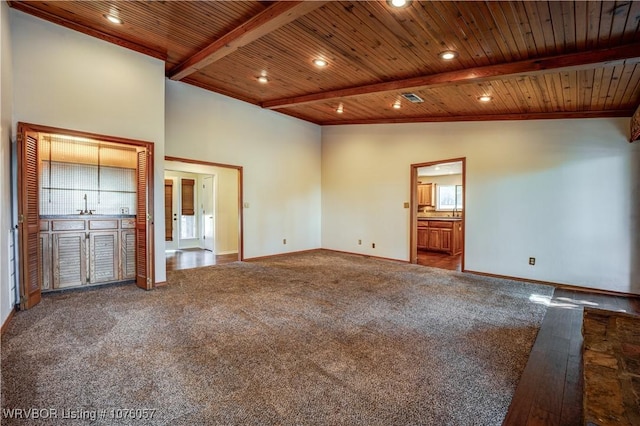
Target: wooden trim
[[79, 133], [554, 284], [273, 17], [597, 291], [485, 117], [413, 204], [635, 126], [6, 322], [161, 284], [240, 194], [203, 163], [27, 8], [528, 67]]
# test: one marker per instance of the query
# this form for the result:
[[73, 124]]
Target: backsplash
[[431, 212]]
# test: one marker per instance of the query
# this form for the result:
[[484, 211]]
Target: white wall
[[66, 79], [226, 205], [280, 157], [563, 191], [6, 106]]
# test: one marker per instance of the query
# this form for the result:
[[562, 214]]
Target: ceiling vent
[[412, 97]]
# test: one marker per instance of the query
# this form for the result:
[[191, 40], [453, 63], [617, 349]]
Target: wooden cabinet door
[[423, 238], [425, 191], [434, 239], [69, 259], [28, 217], [457, 238], [144, 220], [445, 240], [103, 256], [127, 255], [45, 260]]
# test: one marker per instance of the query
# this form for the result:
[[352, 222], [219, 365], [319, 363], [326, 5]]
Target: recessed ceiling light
[[113, 19], [340, 108], [263, 79], [485, 98], [397, 104], [398, 3], [448, 55], [319, 62]]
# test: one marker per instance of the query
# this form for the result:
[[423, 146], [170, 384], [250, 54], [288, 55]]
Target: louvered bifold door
[[28, 218], [144, 220]]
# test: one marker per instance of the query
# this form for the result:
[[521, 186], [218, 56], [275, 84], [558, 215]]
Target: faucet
[[85, 211]]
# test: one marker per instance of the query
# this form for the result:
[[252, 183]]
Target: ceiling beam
[[484, 117], [571, 61], [270, 19]]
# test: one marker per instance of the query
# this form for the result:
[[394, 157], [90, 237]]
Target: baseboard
[[160, 284], [7, 321], [368, 255], [226, 252], [554, 284], [582, 289], [271, 256]]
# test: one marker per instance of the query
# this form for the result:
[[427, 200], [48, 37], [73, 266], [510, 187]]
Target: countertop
[[88, 216], [447, 219]]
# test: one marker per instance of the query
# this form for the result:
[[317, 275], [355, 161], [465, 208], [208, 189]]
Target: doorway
[[216, 217], [437, 222]]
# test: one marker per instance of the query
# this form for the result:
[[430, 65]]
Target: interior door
[[172, 210], [28, 217], [144, 220], [208, 209], [168, 210]]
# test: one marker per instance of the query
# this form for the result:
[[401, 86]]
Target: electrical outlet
[[246, 205], [359, 242], [373, 245], [406, 205], [124, 210], [532, 261], [284, 241]]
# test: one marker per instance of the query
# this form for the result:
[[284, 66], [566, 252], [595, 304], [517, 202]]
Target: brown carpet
[[313, 338]]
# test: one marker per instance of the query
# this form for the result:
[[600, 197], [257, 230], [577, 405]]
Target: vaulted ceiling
[[532, 59]]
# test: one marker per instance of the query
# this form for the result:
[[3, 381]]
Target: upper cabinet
[[425, 194]]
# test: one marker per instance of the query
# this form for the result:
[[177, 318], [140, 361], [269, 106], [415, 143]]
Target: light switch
[[406, 205]]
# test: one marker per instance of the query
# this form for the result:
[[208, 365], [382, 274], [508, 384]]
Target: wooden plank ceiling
[[534, 59]]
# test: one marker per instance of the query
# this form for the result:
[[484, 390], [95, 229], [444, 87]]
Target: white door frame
[[208, 208]]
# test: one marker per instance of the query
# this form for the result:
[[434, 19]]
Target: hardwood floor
[[439, 260], [196, 258], [550, 389]]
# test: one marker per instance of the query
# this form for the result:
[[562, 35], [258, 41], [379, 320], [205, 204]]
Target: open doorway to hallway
[[437, 214], [203, 224]]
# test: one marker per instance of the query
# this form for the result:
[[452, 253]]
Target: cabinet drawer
[[128, 223], [103, 224], [440, 224], [68, 225], [423, 224], [44, 225]]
